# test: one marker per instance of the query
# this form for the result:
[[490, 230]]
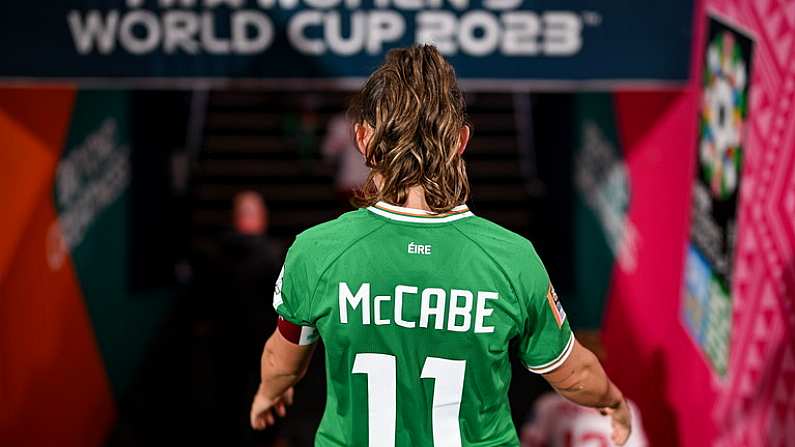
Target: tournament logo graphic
[[722, 113], [556, 306], [709, 267]]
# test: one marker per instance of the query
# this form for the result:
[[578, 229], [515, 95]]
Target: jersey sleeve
[[546, 340], [292, 295]]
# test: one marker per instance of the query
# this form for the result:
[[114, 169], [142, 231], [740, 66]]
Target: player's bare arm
[[283, 364], [582, 380]]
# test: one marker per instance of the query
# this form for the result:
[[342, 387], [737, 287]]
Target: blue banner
[[260, 40]]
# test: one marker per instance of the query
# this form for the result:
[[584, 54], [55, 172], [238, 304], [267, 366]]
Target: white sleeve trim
[[559, 360]]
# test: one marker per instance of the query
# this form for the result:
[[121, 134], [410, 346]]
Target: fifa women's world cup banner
[[617, 43]]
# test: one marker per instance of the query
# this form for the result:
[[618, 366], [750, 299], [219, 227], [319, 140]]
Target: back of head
[[416, 111]]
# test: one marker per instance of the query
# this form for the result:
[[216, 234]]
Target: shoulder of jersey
[[338, 233], [492, 236]]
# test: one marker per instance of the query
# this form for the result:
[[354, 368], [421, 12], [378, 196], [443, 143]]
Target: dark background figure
[[244, 271]]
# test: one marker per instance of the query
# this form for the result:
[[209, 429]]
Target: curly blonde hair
[[416, 110]]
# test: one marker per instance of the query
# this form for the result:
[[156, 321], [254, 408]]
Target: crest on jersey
[[277, 290], [554, 304]]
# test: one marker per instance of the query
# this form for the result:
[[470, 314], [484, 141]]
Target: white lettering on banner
[[183, 3], [602, 177], [144, 21], [438, 28], [562, 31], [211, 43], [336, 27], [245, 21], [283, 4], [502, 4], [367, 32], [480, 33], [337, 42], [230, 3], [297, 35], [93, 30], [88, 179], [385, 26], [180, 29], [409, 4], [142, 31], [456, 314], [520, 36], [489, 33], [457, 4], [322, 4]]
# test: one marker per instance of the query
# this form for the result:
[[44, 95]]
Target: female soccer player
[[419, 302]]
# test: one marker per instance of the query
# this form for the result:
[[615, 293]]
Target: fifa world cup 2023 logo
[[722, 114]]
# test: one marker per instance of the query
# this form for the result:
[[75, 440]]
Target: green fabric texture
[[344, 277]]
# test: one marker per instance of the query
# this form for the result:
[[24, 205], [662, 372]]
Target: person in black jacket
[[244, 269]]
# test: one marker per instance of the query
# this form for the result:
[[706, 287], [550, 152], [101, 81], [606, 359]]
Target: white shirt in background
[[557, 422], [338, 145]]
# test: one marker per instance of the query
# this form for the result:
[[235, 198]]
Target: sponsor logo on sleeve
[[555, 306]]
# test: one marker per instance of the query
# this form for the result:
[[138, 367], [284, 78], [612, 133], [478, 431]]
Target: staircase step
[[263, 168], [241, 146], [264, 100], [246, 147]]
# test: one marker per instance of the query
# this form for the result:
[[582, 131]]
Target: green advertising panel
[[92, 197]]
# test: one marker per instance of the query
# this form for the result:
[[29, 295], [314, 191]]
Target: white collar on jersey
[[404, 214]]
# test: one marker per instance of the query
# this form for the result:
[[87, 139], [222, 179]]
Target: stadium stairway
[[270, 141]]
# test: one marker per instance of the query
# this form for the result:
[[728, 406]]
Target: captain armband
[[297, 334]]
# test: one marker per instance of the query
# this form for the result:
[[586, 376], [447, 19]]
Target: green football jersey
[[419, 314]]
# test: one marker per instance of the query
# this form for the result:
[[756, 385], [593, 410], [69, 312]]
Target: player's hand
[[620, 420], [263, 408]]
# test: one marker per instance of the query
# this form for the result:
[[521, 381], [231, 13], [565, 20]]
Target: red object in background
[[53, 384], [643, 337], [649, 352]]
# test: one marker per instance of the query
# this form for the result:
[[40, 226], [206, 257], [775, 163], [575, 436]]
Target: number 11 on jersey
[[381, 370]]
